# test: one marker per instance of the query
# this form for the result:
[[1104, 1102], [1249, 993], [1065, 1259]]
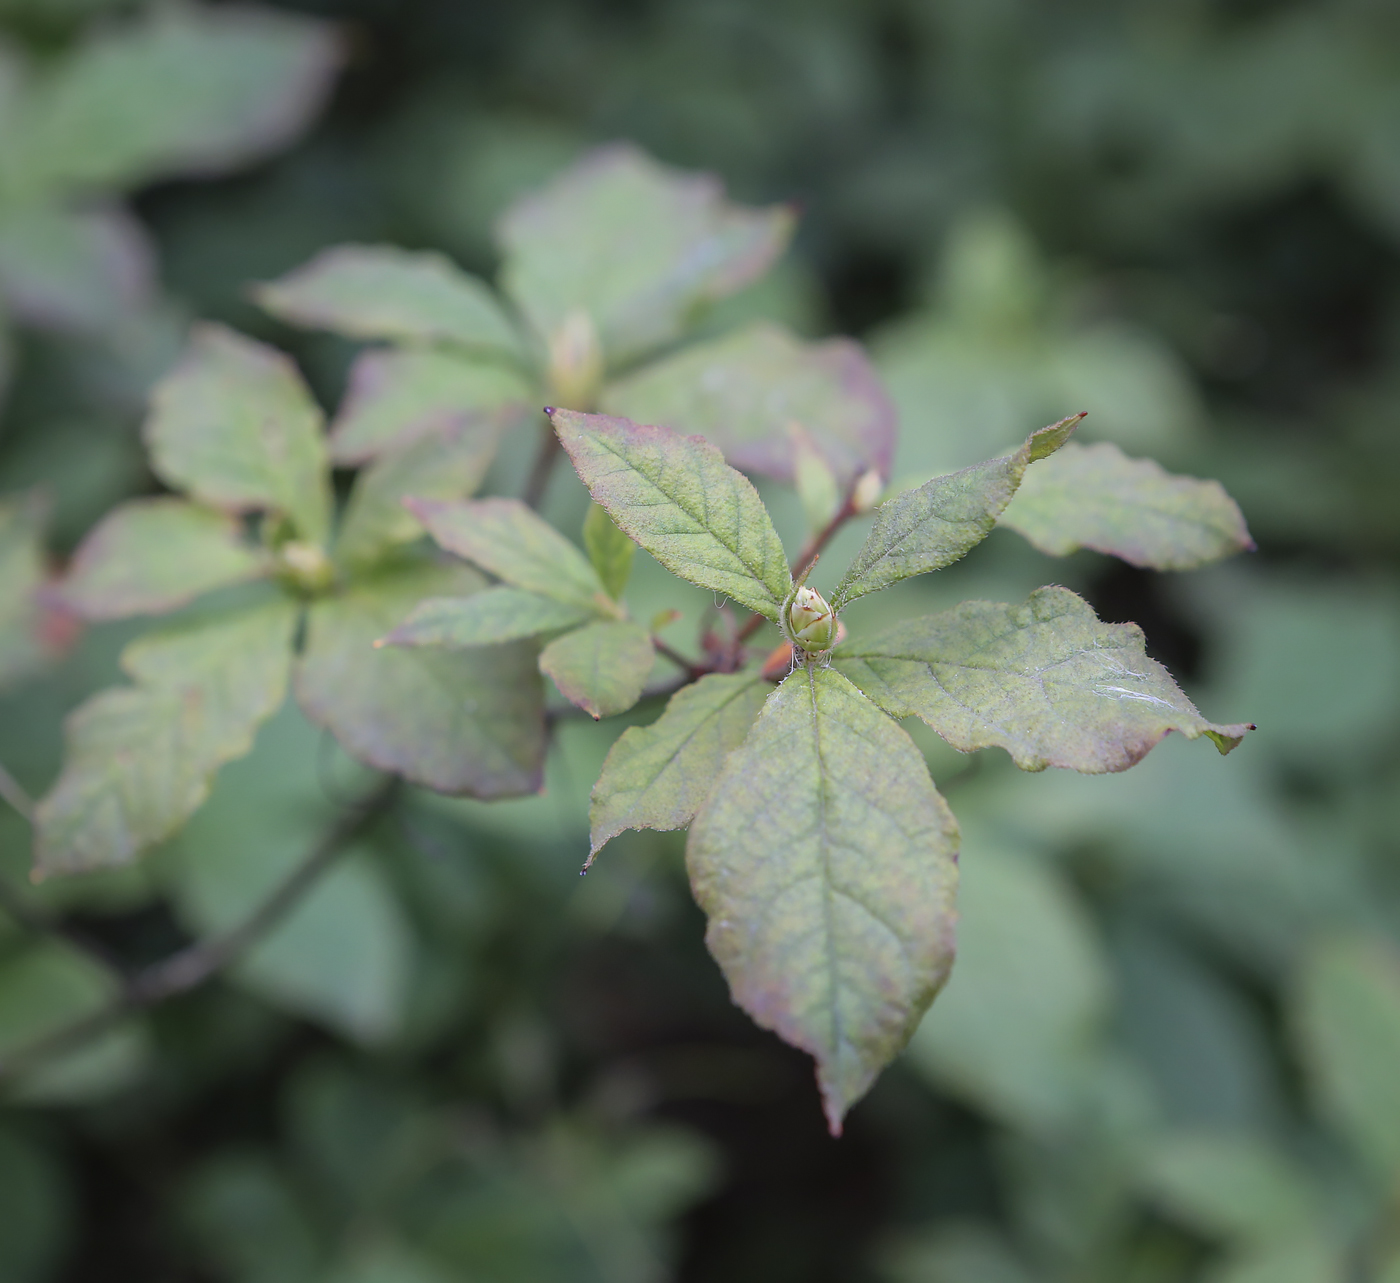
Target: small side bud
[[812, 623], [575, 362], [867, 491]]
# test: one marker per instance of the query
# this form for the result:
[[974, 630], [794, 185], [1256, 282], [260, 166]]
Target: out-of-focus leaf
[[235, 426], [957, 1253], [601, 667], [381, 292], [1046, 681], [1232, 1187], [151, 555], [676, 497], [1288, 1259], [932, 526], [140, 759], [1020, 1021], [1096, 497], [825, 861], [342, 955], [384, 1264], [635, 245], [507, 538], [1346, 1016], [22, 647], [467, 722], [609, 550], [395, 395], [743, 391], [73, 269], [46, 988], [498, 614], [182, 90], [35, 1210], [448, 461], [816, 484], [658, 776]]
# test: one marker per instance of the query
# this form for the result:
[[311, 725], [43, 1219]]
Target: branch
[[540, 470], [190, 967]]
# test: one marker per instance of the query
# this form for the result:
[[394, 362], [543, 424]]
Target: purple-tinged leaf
[[1046, 681], [635, 245], [745, 391], [1096, 497], [601, 667]]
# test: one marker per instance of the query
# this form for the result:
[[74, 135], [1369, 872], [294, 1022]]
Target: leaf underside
[[601, 667], [469, 722], [745, 391], [676, 497], [141, 758], [495, 615], [151, 555], [932, 526], [657, 776], [1047, 681], [1096, 497], [825, 861]]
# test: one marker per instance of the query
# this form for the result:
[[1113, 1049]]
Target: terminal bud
[[812, 623]]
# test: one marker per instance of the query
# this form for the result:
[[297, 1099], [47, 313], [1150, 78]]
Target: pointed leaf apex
[[1049, 439]]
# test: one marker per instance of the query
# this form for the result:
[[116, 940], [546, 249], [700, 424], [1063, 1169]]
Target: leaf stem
[[541, 470], [190, 967]]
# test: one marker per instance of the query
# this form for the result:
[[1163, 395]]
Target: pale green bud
[[813, 625], [575, 362], [305, 566], [867, 491]]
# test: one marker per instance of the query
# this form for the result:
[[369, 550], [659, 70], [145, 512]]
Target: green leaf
[[343, 954], [151, 555], [506, 538], [22, 646], [601, 667], [468, 722], [1231, 1187], [43, 990], [1096, 497], [36, 1208], [743, 391], [1346, 1017], [609, 550], [486, 618], [658, 776], [140, 759], [676, 497], [235, 426], [1016, 1030], [825, 861], [637, 246], [447, 462], [816, 484], [1046, 681], [395, 395], [1293, 1258], [932, 526], [381, 292], [74, 269], [182, 90]]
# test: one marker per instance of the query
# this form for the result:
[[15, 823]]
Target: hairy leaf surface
[[467, 723], [507, 538], [825, 861], [635, 245], [657, 776], [932, 526], [602, 667], [743, 392], [152, 555], [1096, 497], [498, 614], [382, 292], [1047, 681], [140, 758], [395, 395], [677, 498], [184, 90], [235, 426], [609, 550], [446, 462]]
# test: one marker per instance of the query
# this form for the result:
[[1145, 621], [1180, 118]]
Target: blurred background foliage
[[1171, 1046]]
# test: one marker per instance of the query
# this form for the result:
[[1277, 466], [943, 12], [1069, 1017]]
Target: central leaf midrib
[[838, 1038]]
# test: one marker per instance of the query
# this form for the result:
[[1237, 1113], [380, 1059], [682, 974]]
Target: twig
[[190, 967], [538, 480], [691, 669]]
